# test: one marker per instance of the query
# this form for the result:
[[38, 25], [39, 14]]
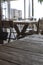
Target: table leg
[[9, 36], [17, 30], [24, 29], [22, 33]]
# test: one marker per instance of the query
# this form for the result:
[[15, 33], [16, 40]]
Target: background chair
[[8, 25], [11, 30], [40, 26], [3, 35]]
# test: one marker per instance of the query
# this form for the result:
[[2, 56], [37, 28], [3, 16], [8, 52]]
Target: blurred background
[[22, 9]]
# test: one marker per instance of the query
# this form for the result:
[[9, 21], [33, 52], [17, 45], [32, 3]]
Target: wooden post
[[29, 9], [1, 41], [24, 9], [38, 27], [32, 8], [8, 9], [0, 11]]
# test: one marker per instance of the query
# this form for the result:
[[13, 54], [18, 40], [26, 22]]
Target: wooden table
[[25, 23], [13, 24], [28, 51]]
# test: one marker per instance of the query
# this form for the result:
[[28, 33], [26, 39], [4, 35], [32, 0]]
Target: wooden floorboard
[[3, 62], [26, 51]]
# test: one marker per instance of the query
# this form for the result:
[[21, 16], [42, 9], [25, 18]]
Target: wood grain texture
[[26, 51]]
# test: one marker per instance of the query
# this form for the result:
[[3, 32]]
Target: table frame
[[22, 33]]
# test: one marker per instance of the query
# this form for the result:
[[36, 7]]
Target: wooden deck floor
[[26, 51]]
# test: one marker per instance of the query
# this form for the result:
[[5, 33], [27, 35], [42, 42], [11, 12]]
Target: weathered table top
[[25, 21], [22, 52]]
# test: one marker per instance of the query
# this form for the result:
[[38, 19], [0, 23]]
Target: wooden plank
[[29, 56], [24, 46], [2, 62], [26, 22], [22, 52]]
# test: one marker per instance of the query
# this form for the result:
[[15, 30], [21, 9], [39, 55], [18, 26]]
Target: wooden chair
[[3, 35], [11, 30], [0, 24], [8, 24], [40, 26]]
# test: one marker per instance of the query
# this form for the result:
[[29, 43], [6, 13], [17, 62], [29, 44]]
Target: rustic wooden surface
[[26, 51]]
